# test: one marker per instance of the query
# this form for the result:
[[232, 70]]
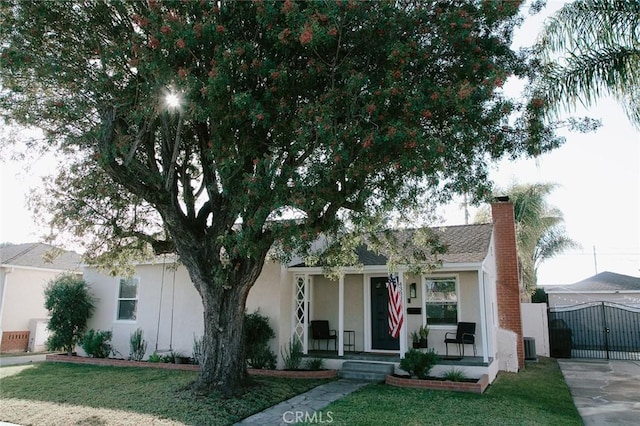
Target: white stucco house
[[25, 271], [477, 281]]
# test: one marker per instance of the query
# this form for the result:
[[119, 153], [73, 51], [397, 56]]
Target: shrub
[[418, 363], [539, 296], [137, 346], [70, 306], [198, 349], [455, 375], [292, 354], [155, 357], [96, 343], [315, 364], [257, 333], [169, 358], [263, 358]]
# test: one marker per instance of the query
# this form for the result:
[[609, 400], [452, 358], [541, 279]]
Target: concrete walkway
[[605, 392], [22, 359], [307, 406]]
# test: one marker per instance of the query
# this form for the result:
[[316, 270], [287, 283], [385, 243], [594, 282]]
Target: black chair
[[320, 331], [464, 335]]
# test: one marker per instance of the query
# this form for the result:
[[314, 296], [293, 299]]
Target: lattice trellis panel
[[299, 311]]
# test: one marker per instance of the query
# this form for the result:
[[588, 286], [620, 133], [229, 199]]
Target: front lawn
[[58, 393], [537, 395]]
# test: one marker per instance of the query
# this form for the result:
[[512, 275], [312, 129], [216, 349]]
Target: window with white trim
[[441, 301], [128, 299]]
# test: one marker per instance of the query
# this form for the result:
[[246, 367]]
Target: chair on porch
[[320, 331], [464, 335]]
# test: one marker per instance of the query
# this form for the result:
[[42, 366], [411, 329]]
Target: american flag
[[395, 306]]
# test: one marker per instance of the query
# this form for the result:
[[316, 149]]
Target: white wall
[[535, 324], [169, 309], [23, 298]]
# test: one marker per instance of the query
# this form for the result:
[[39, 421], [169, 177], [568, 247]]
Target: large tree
[[333, 112], [590, 49]]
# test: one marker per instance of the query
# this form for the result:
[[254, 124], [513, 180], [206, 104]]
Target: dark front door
[[380, 338]]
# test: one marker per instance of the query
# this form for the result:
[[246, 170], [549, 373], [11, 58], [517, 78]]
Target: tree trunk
[[223, 366]]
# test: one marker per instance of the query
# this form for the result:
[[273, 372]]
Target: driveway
[[605, 392]]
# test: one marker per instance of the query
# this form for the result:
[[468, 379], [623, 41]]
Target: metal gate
[[602, 330]]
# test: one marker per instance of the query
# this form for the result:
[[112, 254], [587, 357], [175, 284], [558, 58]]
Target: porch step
[[370, 371]]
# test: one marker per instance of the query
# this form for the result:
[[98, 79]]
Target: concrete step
[[370, 371]]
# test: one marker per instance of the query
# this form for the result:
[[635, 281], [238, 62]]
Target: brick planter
[[302, 374], [295, 374], [405, 382], [121, 362]]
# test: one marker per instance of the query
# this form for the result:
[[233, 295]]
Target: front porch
[[456, 361], [472, 366]]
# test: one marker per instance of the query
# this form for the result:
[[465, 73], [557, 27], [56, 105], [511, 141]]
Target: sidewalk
[[605, 392], [306, 407], [22, 359]]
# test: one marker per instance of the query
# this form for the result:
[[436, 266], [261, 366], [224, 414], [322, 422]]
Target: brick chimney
[[507, 280]]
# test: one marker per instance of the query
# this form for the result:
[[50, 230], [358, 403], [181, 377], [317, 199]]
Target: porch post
[[403, 328], [341, 315], [483, 315]]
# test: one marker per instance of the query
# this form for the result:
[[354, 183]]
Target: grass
[[52, 394], [58, 393], [537, 395]]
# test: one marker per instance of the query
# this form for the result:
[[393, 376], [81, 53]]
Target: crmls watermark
[[315, 417]]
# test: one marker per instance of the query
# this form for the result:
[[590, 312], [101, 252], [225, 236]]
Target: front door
[[380, 337]]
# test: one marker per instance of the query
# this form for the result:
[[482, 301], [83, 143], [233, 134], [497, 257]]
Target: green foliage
[[315, 364], [284, 107], [155, 357], [257, 334], [70, 305], [588, 50], [169, 358], [137, 345], [424, 331], [263, 357], [539, 296], [96, 343], [540, 232], [536, 395], [415, 336], [418, 363], [198, 350], [160, 396], [292, 354], [455, 375]]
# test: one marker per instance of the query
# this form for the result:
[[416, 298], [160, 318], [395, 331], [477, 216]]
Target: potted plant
[[424, 333], [415, 337]]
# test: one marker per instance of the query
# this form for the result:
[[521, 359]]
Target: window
[[128, 299], [441, 301]]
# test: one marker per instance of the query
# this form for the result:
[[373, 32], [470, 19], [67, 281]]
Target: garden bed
[[294, 374], [436, 383]]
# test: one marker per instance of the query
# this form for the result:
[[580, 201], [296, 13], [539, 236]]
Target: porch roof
[[462, 244]]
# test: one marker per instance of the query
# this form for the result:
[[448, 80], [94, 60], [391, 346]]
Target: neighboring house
[[25, 271], [477, 281], [603, 287]]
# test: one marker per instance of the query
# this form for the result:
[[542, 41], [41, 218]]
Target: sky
[[598, 176]]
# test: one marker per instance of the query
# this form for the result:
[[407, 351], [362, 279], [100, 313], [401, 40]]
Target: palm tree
[[540, 234], [590, 49]]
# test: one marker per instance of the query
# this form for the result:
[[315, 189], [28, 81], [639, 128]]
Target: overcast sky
[[599, 193]]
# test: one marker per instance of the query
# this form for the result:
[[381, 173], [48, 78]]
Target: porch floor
[[387, 357]]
